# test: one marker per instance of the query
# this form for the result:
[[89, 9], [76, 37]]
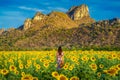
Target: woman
[[60, 60]]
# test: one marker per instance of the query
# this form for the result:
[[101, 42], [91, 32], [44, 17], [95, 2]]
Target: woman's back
[[59, 56]]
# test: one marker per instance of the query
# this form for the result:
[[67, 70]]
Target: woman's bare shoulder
[[62, 53]]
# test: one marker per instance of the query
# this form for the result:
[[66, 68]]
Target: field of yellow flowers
[[78, 65]]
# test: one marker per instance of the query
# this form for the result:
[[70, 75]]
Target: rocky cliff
[[27, 24], [80, 14], [39, 16]]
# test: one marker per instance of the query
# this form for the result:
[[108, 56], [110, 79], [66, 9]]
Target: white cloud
[[11, 13], [58, 8], [29, 8], [61, 9]]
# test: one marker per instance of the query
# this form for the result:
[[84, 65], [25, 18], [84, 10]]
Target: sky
[[14, 12]]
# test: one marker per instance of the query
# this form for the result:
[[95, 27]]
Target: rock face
[[80, 13], [39, 16], [27, 24]]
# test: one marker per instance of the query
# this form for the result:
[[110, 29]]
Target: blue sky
[[14, 12]]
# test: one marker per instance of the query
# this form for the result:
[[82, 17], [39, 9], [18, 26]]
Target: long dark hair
[[59, 50]]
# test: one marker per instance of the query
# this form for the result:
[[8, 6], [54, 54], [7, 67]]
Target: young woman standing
[[60, 58]]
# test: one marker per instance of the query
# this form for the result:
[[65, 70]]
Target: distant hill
[[74, 29]]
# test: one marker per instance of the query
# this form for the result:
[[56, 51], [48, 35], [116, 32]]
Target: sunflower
[[118, 66], [101, 66], [16, 72], [74, 78], [27, 77], [29, 62], [22, 73], [99, 74], [73, 59], [114, 56], [35, 78], [12, 68], [93, 67], [67, 64], [55, 74], [65, 67], [71, 68], [109, 57], [10, 60], [46, 65], [111, 71], [4, 71], [62, 77], [92, 58], [52, 60], [85, 58], [27, 66], [118, 57], [41, 60], [37, 66], [21, 66]]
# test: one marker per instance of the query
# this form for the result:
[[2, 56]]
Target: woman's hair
[[59, 50]]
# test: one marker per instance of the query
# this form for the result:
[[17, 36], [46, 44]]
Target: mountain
[[54, 19], [74, 29], [73, 18]]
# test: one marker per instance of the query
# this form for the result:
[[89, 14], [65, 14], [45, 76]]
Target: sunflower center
[[112, 71], [26, 78], [62, 78], [4, 71], [56, 74], [73, 79]]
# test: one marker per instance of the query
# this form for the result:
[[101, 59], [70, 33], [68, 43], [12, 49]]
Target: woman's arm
[[62, 54], [56, 56]]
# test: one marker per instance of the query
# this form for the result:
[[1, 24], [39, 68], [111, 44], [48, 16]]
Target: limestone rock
[[78, 12], [39, 16], [27, 24]]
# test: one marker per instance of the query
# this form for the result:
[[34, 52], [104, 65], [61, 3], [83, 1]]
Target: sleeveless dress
[[59, 59]]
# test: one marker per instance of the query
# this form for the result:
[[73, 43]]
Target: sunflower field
[[78, 65]]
